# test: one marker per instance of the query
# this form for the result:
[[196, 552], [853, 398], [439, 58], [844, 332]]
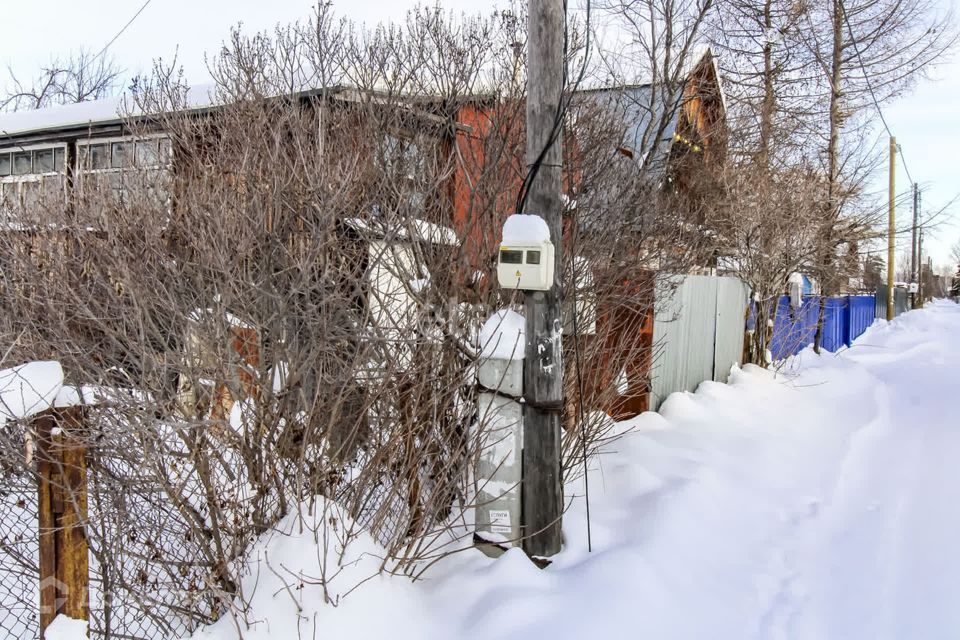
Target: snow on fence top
[[92, 112], [522, 228], [66, 628], [29, 389], [503, 336], [35, 387]]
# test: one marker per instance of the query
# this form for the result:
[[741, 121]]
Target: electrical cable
[[102, 51], [583, 421], [873, 96], [576, 328], [124, 28], [562, 107]]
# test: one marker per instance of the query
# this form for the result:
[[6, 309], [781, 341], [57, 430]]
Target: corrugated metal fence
[[697, 332], [845, 318], [900, 301]]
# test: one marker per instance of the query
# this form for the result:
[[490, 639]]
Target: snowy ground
[[821, 502]]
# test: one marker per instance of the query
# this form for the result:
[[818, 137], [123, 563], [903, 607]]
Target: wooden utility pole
[[913, 245], [890, 229], [542, 494], [62, 515], [920, 262]]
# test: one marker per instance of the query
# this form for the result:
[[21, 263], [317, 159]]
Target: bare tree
[[277, 298], [656, 44], [76, 77], [868, 52]]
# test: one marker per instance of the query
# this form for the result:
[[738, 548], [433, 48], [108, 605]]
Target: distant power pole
[[542, 493], [920, 262], [913, 244], [890, 229]]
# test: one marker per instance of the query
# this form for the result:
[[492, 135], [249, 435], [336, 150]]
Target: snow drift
[[815, 502]]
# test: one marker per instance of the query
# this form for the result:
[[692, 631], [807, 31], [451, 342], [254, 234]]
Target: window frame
[[84, 144], [18, 180]]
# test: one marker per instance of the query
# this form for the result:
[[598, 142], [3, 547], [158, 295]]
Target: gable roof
[[644, 108]]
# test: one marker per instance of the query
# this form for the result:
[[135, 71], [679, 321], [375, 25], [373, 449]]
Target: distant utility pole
[[913, 245], [920, 262], [542, 493], [890, 228]]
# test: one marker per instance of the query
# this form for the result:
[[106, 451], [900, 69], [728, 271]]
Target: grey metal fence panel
[[732, 296], [901, 300], [697, 332], [683, 333]]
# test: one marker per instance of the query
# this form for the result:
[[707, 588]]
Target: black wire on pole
[[561, 111]]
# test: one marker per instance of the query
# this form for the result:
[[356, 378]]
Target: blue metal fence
[[844, 320], [861, 316]]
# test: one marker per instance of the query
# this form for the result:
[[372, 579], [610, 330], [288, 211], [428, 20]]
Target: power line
[[102, 51], [125, 27], [873, 96]]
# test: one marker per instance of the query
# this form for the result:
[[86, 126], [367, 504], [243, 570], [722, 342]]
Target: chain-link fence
[[19, 566], [151, 575]]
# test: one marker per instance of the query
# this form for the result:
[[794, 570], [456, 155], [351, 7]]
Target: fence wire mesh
[[150, 570], [19, 568]]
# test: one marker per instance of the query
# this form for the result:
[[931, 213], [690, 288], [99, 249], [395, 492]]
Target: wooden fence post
[[62, 514]]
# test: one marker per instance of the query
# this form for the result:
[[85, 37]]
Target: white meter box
[[526, 254]]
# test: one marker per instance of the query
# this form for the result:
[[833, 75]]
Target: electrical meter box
[[526, 254]]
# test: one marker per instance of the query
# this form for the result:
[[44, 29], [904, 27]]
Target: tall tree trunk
[[766, 111], [833, 179]]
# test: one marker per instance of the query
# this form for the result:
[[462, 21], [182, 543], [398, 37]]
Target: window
[[146, 153], [121, 155], [53, 185], [165, 152], [8, 195], [22, 163], [30, 194], [508, 256], [58, 159], [43, 161], [533, 257], [5, 167], [98, 156]]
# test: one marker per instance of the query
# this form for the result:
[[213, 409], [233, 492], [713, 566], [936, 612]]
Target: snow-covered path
[[821, 502]]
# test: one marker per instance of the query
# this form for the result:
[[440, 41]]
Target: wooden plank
[[74, 553], [49, 591], [62, 516]]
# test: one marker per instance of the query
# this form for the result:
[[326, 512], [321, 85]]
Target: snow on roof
[[91, 112], [416, 229], [524, 228], [503, 336]]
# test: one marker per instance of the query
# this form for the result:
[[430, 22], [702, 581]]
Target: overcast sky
[[31, 31]]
